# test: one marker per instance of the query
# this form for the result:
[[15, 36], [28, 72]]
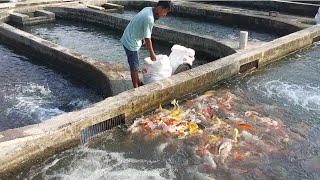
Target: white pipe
[[243, 40]]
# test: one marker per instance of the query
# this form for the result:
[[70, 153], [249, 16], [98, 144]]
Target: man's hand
[[153, 57], [150, 48]]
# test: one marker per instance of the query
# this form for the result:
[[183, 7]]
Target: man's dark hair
[[165, 4]]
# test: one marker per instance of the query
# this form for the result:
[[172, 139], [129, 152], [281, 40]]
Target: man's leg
[[135, 79], [133, 60]]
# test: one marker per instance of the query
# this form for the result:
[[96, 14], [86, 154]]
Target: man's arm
[[150, 48]]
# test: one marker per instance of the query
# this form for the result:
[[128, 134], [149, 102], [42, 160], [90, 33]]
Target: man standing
[[140, 28]]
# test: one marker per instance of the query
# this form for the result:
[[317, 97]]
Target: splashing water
[[306, 96], [31, 93], [88, 163], [30, 102]]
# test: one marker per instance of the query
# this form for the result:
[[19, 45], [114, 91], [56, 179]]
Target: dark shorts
[[133, 59]]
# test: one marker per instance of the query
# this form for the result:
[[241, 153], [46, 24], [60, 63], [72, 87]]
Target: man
[[140, 28]]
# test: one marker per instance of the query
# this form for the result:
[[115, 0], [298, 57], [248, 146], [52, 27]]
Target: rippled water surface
[[31, 92], [293, 83], [94, 41], [289, 90]]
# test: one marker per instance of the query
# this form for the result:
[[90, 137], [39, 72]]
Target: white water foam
[[35, 89], [30, 102], [99, 164], [306, 96]]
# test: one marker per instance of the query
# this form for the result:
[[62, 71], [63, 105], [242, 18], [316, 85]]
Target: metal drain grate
[[249, 66], [95, 129]]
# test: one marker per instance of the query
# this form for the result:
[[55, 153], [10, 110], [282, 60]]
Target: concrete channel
[[27, 145]]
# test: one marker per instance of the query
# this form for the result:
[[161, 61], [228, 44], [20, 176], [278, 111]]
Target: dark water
[[31, 93], [287, 92], [94, 41], [226, 34]]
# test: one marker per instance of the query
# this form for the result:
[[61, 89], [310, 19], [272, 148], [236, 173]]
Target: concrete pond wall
[[24, 146], [305, 8], [37, 17], [4, 16]]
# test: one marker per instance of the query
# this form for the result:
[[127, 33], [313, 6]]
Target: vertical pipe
[[243, 40]]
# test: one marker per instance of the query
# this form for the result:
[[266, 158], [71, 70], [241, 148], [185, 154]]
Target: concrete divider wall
[[266, 24], [41, 16], [39, 2], [200, 43], [297, 8], [4, 17], [216, 15], [47, 138]]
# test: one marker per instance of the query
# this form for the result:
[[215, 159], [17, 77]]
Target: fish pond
[[262, 125]]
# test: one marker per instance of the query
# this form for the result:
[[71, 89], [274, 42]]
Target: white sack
[[156, 70], [180, 55]]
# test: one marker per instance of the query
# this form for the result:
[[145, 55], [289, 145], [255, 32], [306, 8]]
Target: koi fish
[[235, 134], [246, 126], [248, 136], [208, 160], [136, 123], [238, 155], [175, 104], [225, 149]]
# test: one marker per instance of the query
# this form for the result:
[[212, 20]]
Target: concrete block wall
[[44, 13], [94, 2], [40, 16], [4, 19], [108, 7], [18, 18], [241, 19], [296, 8], [4, 16], [6, 6], [112, 6]]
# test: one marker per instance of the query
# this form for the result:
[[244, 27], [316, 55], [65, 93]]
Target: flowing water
[[275, 109], [30, 92], [94, 41], [228, 35]]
